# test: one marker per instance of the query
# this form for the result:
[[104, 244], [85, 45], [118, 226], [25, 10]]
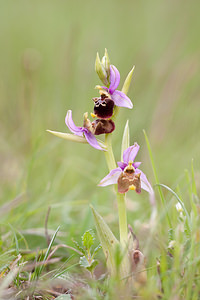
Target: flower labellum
[[127, 176], [103, 106], [103, 126], [128, 180]]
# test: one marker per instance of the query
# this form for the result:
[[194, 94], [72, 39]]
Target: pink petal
[[121, 99], [130, 153], [111, 178], [92, 140], [145, 185], [136, 164], [105, 88], [122, 165], [70, 124], [114, 79]]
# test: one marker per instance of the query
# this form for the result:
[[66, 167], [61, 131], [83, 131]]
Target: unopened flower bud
[[106, 63], [138, 267], [101, 71]]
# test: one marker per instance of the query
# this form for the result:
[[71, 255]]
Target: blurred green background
[[47, 55]]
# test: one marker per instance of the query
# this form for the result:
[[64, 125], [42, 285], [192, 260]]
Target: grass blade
[[179, 200], [156, 178], [48, 251], [194, 189]]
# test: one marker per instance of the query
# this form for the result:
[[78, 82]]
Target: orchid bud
[[106, 63], [101, 71], [137, 260], [139, 267]]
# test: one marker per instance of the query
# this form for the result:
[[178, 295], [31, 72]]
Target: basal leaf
[[107, 240]]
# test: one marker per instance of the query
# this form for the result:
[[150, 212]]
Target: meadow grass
[[47, 59]]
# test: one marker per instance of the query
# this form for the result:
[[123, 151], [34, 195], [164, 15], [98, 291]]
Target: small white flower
[[179, 207], [171, 244]]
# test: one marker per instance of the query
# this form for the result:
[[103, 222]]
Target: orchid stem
[[122, 219], [110, 159]]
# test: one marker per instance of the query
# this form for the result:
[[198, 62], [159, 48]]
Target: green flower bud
[[106, 63], [100, 70]]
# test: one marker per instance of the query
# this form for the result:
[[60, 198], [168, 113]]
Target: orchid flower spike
[[119, 98], [127, 176], [85, 131]]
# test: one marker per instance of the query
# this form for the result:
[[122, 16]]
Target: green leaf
[[127, 81], [96, 250], [125, 139], [79, 247], [92, 266], [63, 297], [118, 256], [84, 262], [170, 235], [16, 239], [47, 253], [107, 240], [88, 239]]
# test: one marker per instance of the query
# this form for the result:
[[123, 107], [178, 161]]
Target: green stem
[[110, 159], [121, 202]]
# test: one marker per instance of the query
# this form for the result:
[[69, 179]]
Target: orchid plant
[[127, 176]]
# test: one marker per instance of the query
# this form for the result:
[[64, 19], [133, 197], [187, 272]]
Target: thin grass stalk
[[156, 178]]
